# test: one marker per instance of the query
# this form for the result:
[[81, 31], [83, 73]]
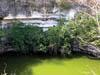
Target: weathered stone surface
[[92, 50], [86, 49]]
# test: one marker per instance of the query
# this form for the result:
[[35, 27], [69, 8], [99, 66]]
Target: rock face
[[86, 49], [92, 50], [26, 7]]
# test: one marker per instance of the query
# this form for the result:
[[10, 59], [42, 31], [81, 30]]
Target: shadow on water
[[20, 65], [24, 65]]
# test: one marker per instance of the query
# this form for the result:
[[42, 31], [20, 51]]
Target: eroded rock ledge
[[88, 49]]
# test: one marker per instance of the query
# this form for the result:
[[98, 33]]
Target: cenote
[[41, 37], [50, 66]]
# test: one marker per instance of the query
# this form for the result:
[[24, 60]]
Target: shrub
[[2, 35], [56, 40], [83, 27], [64, 4], [25, 38]]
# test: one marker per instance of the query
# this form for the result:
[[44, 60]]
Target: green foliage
[[29, 39], [96, 42], [65, 5], [57, 39], [2, 32], [25, 38], [61, 21], [83, 27]]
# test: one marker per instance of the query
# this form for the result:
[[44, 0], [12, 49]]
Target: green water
[[50, 66]]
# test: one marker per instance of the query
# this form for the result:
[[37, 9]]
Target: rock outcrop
[[86, 49], [91, 50]]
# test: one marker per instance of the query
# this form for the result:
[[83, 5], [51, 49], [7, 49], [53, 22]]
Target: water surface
[[50, 66]]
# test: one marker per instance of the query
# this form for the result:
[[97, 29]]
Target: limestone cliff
[[26, 7]]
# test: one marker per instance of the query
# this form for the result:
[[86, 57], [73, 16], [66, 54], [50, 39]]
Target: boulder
[[85, 49], [91, 50]]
